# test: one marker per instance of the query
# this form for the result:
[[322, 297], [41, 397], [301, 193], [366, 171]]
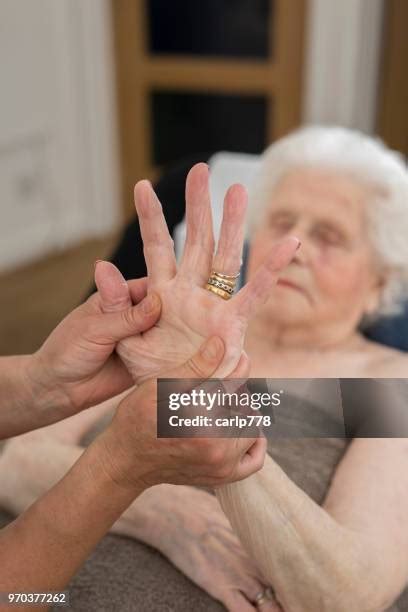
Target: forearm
[[312, 561], [25, 403], [32, 463], [61, 529]]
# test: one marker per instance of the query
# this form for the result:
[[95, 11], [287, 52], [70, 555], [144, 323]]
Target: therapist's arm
[[22, 400], [44, 547], [76, 367]]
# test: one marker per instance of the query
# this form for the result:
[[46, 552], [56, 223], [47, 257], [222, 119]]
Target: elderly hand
[[77, 367], [190, 313], [188, 526], [136, 458]]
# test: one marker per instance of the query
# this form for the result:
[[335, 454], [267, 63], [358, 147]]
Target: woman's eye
[[281, 225], [329, 237]]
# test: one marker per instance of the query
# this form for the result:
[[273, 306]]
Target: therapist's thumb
[[116, 326], [203, 363]]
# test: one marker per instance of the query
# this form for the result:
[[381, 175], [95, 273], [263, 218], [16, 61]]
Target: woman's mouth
[[287, 283]]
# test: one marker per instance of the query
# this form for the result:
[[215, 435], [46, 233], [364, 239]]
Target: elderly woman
[[323, 523]]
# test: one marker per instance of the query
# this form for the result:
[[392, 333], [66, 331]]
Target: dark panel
[[189, 123], [229, 28]]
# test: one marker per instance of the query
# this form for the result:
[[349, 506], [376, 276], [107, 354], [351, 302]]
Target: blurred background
[[97, 94]]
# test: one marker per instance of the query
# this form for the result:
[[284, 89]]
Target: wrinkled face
[[333, 277]]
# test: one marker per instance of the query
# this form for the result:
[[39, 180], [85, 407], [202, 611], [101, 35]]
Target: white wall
[[342, 62], [59, 178], [58, 144]]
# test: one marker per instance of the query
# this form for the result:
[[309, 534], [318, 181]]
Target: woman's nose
[[303, 253]]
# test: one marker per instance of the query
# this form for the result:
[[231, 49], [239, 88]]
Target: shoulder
[[386, 362]]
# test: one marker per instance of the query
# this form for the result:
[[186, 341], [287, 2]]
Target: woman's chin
[[287, 307]]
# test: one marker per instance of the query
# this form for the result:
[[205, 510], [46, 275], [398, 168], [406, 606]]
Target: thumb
[[203, 363], [112, 327], [112, 287]]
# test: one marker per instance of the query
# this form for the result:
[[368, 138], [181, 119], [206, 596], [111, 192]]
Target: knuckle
[[225, 472], [93, 328], [213, 454], [129, 318], [117, 304]]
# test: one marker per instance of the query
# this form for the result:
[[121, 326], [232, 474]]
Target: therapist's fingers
[[243, 367], [198, 250], [113, 289], [121, 317], [258, 290], [201, 365], [158, 246], [228, 257], [111, 327], [254, 458], [110, 283]]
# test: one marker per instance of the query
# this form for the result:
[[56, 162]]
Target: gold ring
[[219, 292], [221, 284], [226, 276]]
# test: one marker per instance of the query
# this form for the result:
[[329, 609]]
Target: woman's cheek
[[337, 275]]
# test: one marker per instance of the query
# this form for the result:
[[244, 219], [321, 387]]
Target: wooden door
[[392, 123], [147, 80]]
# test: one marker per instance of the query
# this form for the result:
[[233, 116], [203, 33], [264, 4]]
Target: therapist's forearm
[[25, 403], [312, 561], [44, 547]]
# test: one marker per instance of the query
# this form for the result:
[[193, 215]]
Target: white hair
[[369, 161]]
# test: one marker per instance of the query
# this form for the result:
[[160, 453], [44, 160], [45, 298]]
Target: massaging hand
[[188, 526], [137, 459], [77, 366], [189, 312]]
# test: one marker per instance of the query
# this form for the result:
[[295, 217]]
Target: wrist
[[119, 467]]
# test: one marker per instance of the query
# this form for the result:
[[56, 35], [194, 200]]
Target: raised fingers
[[227, 259], [199, 246], [158, 245], [257, 291]]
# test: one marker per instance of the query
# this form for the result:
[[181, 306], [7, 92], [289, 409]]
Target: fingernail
[[96, 262], [211, 348], [150, 303]]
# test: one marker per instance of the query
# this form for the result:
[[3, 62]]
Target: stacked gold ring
[[222, 285]]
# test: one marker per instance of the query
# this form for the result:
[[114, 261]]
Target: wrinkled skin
[[188, 526]]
